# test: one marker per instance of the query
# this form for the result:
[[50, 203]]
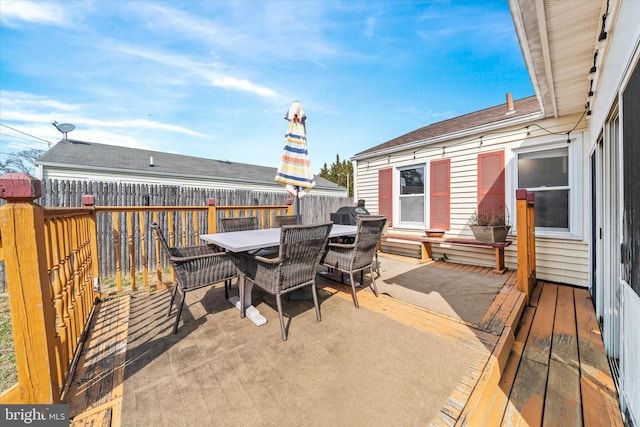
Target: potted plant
[[491, 226]]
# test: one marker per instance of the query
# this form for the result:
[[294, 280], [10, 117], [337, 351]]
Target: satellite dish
[[63, 128]]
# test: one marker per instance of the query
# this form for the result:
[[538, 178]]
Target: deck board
[[563, 388], [498, 406], [599, 395], [562, 401], [538, 347], [565, 340], [526, 400], [97, 388]]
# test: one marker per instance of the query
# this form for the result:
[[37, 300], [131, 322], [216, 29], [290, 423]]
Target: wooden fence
[[127, 248]]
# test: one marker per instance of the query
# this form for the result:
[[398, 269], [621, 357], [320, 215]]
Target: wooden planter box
[[490, 233]]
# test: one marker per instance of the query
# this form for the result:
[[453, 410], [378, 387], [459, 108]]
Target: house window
[[411, 195], [546, 173]]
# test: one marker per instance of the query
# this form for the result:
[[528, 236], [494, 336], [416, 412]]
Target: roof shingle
[[103, 156], [490, 115]]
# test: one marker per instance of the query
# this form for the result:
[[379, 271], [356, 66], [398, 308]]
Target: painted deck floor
[[547, 364]]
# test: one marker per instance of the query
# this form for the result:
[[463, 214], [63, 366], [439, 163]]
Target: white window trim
[[575, 182], [396, 196]]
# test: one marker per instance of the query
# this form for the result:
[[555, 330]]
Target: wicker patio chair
[[300, 251], [230, 224], [195, 267], [238, 224], [359, 255], [286, 220]]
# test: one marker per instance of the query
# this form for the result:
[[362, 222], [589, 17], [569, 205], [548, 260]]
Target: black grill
[[348, 215]]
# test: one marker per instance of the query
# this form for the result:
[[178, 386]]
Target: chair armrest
[[342, 245], [263, 260], [182, 260]]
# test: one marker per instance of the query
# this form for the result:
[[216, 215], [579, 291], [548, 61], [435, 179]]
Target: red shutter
[[491, 182], [385, 193], [440, 196]]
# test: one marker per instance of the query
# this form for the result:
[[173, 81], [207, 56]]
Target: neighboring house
[[576, 145], [88, 161]]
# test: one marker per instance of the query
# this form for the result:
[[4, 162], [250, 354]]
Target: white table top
[[241, 241]]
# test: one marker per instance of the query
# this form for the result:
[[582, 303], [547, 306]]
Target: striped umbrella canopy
[[295, 167]]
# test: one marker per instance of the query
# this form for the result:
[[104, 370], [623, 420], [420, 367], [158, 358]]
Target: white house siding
[[558, 260]]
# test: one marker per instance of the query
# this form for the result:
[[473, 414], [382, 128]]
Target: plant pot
[[490, 233], [434, 233]]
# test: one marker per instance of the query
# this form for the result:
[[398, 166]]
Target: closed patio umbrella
[[295, 167]]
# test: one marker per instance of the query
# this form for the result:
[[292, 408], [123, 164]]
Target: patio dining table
[[238, 242]]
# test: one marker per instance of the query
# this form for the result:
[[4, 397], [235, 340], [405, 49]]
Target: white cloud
[[32, 114], [12, 99], [207, 72], [13, 11], [137, 125]]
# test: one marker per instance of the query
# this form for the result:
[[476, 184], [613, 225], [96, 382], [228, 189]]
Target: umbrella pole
[[298, 214]]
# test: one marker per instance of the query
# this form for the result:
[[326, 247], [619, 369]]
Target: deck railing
[[525, 227], [51, 258]]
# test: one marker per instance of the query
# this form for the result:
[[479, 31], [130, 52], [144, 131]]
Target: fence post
[[33, 316], [290, 209], [211, 216], [525, 229], [531, 232], [89, 201]]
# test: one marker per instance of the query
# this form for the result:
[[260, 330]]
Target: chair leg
[[373, 283], [314, 291], [175, 325], [173, 297], [282, 328], [353, 290]]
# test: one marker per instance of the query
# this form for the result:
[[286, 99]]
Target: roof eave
[[453, 135], [541, 77]]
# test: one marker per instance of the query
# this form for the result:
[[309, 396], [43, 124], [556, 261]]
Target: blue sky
[[214, 78]]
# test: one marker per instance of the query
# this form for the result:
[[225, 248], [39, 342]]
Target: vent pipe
[[510, 107], [150, 160]]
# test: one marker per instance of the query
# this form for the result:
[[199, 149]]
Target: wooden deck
[[547, 364]]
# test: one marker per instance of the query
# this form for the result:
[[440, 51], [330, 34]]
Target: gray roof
[[90, 155], [493, 115]]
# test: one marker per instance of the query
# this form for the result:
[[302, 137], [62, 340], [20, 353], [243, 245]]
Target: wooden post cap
[[211, 201], [531, 197], [19, 187], [88, 200], [289, 201], [521, 194]]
